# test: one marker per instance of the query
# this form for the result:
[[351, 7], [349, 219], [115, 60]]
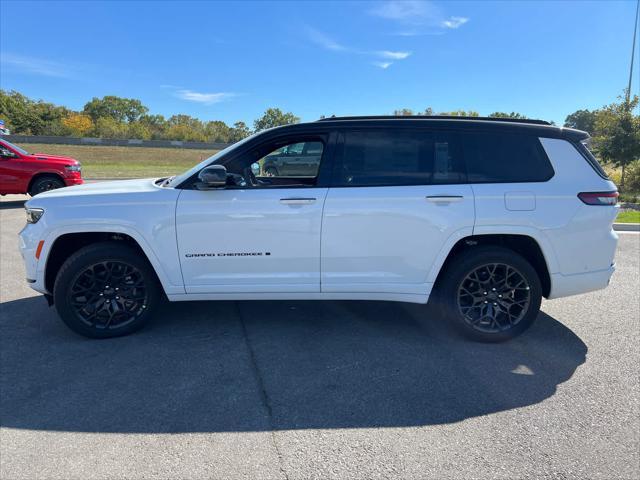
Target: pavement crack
[[264, 395]]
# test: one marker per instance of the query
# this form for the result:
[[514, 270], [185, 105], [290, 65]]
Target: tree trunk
[[622, 177]]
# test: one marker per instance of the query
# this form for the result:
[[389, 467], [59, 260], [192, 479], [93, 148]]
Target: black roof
[[485, 124], [439, 117]]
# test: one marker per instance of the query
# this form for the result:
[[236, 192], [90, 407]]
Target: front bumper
[[29, 237], [70, 181]]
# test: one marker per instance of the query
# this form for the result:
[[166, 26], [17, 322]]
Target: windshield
[[22, 151], [178, 179]]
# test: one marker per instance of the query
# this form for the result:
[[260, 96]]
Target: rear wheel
[[490, 294], [44, 184], [106, 290]]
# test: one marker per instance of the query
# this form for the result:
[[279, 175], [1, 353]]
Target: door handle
[[444, 198], [297, 201]]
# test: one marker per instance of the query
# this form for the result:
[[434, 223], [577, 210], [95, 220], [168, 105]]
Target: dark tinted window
[[398, 158], [499, 158]]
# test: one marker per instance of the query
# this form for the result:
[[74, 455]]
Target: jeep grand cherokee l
[[485, 217]]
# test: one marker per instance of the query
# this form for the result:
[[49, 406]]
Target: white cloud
[[454, 22], [382, 65], [392, 55], [35, 66], [417, 17], [319, 38], [323, 40], [405, 10], [204, 98]]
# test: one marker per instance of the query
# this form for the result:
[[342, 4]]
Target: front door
[[260, 234], [400, 199]]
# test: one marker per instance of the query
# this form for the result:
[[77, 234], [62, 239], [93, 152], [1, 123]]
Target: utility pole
[[633, 51]]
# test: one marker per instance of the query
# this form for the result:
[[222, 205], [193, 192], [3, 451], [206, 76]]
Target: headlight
[[73, 168], [34, 214]]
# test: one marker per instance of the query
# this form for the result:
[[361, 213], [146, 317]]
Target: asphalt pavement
[[294, 389]]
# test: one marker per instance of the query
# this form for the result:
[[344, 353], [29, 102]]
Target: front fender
[[167, 268]]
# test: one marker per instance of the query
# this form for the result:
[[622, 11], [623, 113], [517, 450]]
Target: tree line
[[117, 117], [615, 129]]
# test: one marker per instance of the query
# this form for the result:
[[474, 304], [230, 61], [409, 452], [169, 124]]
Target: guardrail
[[113, 142]]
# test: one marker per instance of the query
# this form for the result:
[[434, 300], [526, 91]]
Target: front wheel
[[106, 290], [491, 294], [44, 184]]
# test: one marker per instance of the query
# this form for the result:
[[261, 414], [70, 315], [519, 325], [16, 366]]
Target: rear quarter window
[[505, 158]]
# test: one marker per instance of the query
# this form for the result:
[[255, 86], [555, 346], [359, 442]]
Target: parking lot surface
[[290, 390]]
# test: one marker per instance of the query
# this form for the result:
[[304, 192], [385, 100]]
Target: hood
[[55, 159], [118, 187]]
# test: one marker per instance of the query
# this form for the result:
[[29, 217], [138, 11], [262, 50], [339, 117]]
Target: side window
[[505, 158], [300, 159], [378, 158], [277, 164]]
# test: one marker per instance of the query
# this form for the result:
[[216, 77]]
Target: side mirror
[[6, 153], [213, 176]]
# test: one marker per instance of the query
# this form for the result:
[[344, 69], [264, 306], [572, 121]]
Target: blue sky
[[231, 61]]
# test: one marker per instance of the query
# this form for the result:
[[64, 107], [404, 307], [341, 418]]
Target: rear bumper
[[566, 285]]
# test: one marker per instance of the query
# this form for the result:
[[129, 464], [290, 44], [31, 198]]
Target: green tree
[[507, 115], [618, 134], [217, 132], [582, 120], [119, 109], [138, 130], [25, 116], [274, 117], [461, 113], [107, 127], [239, 131], [155, 124], [403, 112]]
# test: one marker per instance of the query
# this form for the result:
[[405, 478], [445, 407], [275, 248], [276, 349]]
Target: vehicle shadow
[[255, 366]]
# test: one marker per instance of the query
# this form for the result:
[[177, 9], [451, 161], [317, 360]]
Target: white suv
[[483, 216]]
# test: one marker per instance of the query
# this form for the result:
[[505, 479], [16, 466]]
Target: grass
[[629, 216], [125, 162]]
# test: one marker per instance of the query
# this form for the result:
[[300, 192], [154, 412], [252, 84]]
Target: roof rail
[[438, 117]]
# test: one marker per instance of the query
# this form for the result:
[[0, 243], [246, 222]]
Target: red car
[[33, 173]]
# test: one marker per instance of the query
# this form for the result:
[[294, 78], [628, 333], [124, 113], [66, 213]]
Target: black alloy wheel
[[489, 293], [45, 184], [109, 295], [106, 289], [494, 297]]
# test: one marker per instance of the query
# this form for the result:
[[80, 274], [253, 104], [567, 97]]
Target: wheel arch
[[44, 174], [526, 245], [59, 246]]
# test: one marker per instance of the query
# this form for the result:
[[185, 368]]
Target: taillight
[[599, 198]]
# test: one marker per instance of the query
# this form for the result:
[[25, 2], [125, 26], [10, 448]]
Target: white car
[[483, 216]]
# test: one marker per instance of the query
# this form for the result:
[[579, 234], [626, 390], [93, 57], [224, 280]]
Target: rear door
[[398, 199]]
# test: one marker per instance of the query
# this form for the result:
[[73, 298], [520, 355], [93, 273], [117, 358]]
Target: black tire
[[44, 184], [475, 308], [90, 307]]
